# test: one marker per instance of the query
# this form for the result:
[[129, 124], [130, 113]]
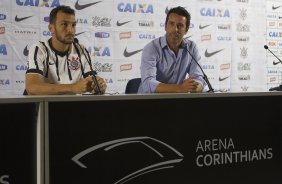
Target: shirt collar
[[62, 54], [163, 42]]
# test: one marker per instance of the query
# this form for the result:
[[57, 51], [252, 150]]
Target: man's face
[[175, 28], [64, 28]]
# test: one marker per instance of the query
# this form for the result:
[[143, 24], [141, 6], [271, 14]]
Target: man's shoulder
[[40, 44], [154, 43]]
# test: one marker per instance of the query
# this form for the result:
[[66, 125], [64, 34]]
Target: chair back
[[132, 86], [25, 92]]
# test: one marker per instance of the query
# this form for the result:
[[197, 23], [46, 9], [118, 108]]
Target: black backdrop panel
[[18, 143], [199, 140]]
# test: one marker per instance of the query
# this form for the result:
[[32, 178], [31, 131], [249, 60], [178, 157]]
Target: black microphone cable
[[204, 75], [93, 72], [98, 90], [278, 88]]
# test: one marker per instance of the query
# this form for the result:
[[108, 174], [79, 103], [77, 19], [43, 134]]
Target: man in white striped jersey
[[60, 65]]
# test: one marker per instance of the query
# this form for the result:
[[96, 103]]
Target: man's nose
[[176, 28], [70, 29]]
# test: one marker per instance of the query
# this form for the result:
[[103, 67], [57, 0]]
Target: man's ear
[[51, 28]]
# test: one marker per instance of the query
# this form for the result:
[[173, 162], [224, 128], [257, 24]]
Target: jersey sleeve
[[36, 60]]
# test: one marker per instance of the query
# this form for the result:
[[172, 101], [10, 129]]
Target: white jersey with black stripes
[[57, 67]]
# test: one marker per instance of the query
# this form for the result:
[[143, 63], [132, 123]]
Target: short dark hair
[[180, 11], [63, 8]]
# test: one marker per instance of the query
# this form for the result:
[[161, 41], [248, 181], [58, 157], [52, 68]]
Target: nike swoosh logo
[[224, 78], [275, 7], [26, 51], [50, 63], [21, 19], [79, 33], [275, 63], [120, 24], [207, 54], [128, 54], [80, 7], [203, 27]]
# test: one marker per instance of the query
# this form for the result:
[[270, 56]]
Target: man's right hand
[[35, 85], [189, 85], [84, 85]]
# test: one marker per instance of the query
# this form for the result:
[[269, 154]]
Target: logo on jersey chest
[[74, 63]]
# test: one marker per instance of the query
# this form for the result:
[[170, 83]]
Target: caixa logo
[[3, 67], [47, 33], [99, 51], [135, 8], [3, 17], [109, 81], [3, 49], [81, 21], [39, 3], [273, 34], [4, 179], [4, 82], [147, 36], [215, 12], [21, 67]]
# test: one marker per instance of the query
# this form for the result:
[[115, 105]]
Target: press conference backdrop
[[230, 35]]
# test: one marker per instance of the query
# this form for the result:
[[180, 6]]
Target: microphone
[[278, 88], [94, 73], [97, 91], [266, 47], [75, 40], [204, 74]]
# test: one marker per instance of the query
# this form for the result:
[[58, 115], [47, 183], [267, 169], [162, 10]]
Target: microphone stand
[[266, 47], [204, 75], [98, 92], [278, 88], [206, 79], [94, 73]]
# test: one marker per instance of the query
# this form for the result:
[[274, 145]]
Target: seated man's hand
[[102, 84], [83, 86], [189, 85]]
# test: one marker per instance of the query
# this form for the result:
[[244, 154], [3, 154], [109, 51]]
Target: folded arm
[[35, 85]]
